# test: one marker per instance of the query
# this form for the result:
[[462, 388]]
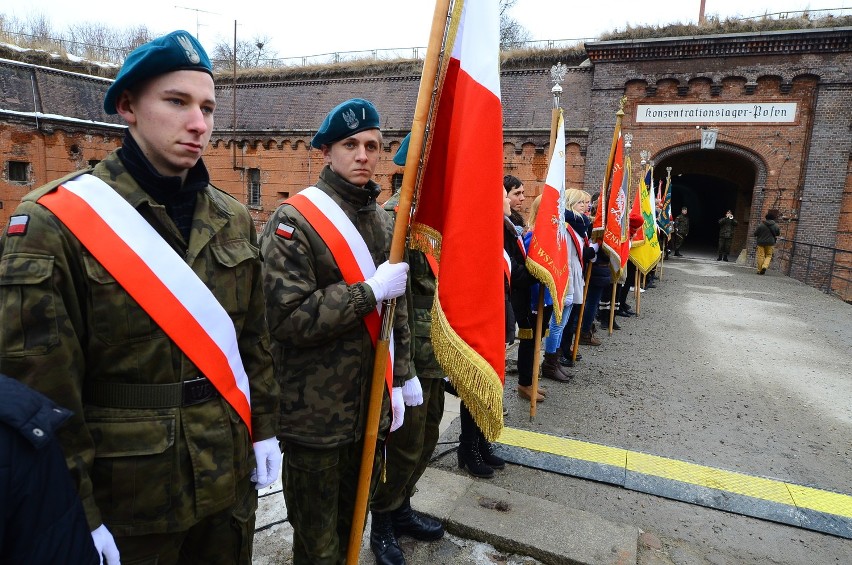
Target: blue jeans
[[554, 335]]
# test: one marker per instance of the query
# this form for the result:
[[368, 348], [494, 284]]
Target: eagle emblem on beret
[[350, 118], [189, 50]]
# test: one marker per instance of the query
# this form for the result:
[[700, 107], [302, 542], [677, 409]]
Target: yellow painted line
[[565, 447], [759, 488], [737, 483], [822, 500]]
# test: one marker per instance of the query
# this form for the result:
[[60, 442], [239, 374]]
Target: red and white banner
[[459, 213], [547, 258], [615, 211]]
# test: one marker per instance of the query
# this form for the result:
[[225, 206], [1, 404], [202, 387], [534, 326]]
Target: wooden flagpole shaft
[[418, 127], [554, 123], [582, 311], [397, 250], [637, 292], [610, 162], [371, 435], [537, 350], [612, 307]]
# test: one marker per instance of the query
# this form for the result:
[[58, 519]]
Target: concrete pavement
[[530, 515]]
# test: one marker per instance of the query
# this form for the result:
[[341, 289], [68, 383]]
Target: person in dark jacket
[[764, 237], [726, 235], [523, 296], [41, 517], [515, 192], [599, 280], [681, 230]]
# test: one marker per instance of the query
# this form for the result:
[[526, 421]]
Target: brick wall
[[801, 169]]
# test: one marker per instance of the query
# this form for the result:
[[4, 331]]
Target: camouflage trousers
[[320, 485], [410, 447], [223, 538]]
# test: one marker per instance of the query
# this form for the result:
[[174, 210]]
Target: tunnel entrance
[[709, 182]]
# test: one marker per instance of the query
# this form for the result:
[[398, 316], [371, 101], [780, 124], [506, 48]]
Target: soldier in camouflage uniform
[[322, 350], [681, 230], [162, 463], [411, 446]]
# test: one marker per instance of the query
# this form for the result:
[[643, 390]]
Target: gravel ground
[[723, 368]]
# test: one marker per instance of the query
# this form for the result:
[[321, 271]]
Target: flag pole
[[668, 237], [637, 292], [556, 74], [580, 315], [612, 307], [619, 115], [377, 386]]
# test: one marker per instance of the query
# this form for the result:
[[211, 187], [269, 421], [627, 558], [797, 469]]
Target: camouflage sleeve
[[307, 302], [42, 334], [402, 366], [256, 356]]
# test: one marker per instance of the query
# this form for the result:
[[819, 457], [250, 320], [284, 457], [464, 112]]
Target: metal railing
[[828, 269]]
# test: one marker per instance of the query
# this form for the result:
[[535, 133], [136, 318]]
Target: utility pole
[[701, 13], [197, 11]]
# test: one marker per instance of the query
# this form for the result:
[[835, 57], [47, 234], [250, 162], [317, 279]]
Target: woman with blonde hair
[[576, 206]]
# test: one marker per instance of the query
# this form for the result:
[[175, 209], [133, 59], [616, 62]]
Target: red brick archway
[[709, 182]]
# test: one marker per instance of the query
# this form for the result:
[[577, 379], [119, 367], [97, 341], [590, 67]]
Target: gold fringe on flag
[[544, 277], [425, 239], [473, 377]]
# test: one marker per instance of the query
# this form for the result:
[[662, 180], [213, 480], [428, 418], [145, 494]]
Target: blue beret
[[346, 119], [402, 152], [177, 51]]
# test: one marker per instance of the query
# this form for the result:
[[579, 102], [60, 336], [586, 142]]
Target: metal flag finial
[[557, 75], [628, 140], [645, 155]]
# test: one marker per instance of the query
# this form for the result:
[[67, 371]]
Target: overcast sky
[[323, 26]]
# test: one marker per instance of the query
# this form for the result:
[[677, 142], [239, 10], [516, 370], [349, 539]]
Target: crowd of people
[[182, 362], [588, 299]]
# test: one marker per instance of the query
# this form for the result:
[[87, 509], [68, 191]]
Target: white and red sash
[[507, 268], [158, 279], [349, 250], [578, 245]]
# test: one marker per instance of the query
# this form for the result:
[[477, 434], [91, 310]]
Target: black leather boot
[[486, 450], [470, 457], [383, 541], [725, 257], [719, 258], [409, 522]]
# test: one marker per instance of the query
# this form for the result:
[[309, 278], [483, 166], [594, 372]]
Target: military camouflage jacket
[[421, 294], [682, 225], [68, 327], [322, 351]]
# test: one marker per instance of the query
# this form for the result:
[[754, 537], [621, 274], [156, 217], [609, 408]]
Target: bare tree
[[250, 54], [512, 34], [38, 27]]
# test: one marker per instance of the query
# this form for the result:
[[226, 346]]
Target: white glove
[[268, 456], [389, 280], [105, 546], [412, 392], [398, 406]]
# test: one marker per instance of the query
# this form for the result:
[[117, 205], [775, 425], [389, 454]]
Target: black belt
[[136, 396]]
